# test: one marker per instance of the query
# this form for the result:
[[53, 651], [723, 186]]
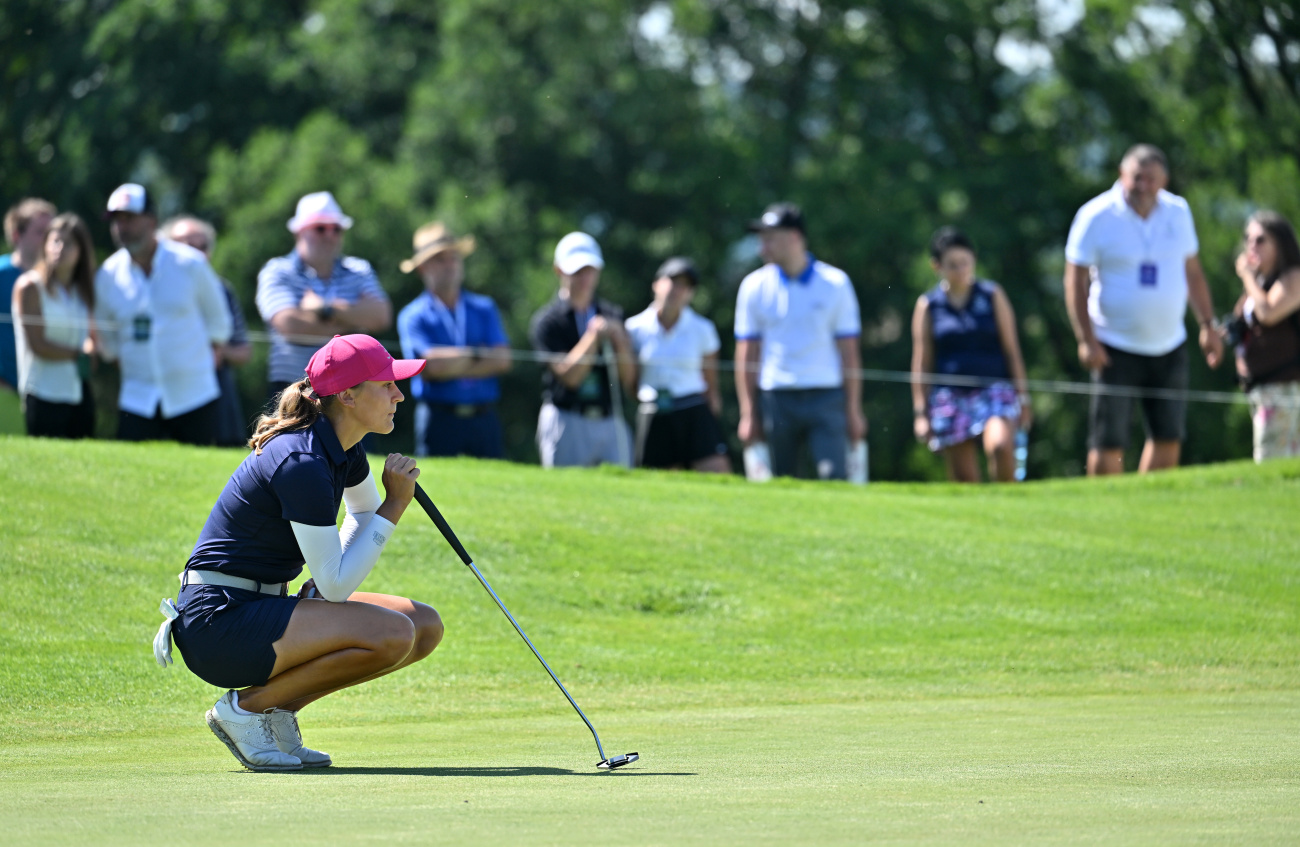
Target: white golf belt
[[162, 642], [191, 577]]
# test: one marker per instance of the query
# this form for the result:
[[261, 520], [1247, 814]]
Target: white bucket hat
[[318, 208], [576, 251]]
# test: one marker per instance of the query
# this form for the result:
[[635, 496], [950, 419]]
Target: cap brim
[[575, 262], [403, 369], [297, 225]]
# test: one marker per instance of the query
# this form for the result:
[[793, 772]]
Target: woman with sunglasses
[[52, 305], [1266, 333], [234, 621]]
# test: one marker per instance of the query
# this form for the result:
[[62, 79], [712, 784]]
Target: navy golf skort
[[225, 634]]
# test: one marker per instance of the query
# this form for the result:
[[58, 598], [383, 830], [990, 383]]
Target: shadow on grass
[[464, 771]]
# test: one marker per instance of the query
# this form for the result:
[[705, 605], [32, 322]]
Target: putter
[[606, 762]]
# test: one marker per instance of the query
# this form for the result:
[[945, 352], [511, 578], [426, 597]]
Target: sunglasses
[[1257, 241], [330, 229]]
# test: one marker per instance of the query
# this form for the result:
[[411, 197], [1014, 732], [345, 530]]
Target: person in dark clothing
[[964, 327], [1268, 352]]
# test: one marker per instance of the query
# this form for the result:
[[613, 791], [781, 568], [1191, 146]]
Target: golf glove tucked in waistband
[[162, 642]]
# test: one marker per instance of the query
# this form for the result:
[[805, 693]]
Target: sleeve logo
[[378, 538]]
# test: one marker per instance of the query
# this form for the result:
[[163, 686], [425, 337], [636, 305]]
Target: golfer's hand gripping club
[[439, 521]]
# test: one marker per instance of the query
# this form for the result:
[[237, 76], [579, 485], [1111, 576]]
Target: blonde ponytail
[[297, 407]]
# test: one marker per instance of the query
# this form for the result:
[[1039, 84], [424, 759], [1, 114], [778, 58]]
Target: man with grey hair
[[1132, 267], [232, 427]]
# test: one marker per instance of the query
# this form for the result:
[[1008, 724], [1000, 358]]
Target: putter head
[[618, 761]]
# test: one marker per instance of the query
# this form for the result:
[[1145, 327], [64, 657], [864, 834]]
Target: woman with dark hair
[[1268, 333], [965, 327], [52, 305], [234, 621]]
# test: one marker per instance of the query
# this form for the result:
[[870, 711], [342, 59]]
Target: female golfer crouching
[[236, 626]]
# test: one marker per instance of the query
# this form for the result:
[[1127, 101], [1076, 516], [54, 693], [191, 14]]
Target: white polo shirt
[[672, 359], [798, 322], [162, 327], [1137, 299]]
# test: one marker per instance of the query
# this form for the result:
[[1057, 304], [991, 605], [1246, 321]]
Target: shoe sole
[[215, 726]]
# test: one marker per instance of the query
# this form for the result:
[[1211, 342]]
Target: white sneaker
[[248, 737], [284, 728]]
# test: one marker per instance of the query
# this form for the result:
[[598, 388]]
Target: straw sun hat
[[432, 239]]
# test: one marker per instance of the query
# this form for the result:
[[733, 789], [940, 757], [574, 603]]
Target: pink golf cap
[[349, 360]]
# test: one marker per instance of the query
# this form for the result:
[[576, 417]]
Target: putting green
[[1071, 662], [1114, 769]]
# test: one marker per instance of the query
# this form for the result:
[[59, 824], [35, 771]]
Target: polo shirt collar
[[1122, 204], [303, 268], [324, 430], [803, 278]]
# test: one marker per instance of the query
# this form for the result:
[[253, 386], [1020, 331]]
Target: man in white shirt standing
[[1132, 267], [797, 329], [161, 311]]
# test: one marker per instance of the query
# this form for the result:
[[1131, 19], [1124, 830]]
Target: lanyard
[[453, 321]]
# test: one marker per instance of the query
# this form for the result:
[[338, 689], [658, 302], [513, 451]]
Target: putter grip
[[441, 522]]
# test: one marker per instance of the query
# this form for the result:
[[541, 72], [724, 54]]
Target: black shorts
[[1165, 418], [225, 634], [682, 437], [61, 420], [198, 426]]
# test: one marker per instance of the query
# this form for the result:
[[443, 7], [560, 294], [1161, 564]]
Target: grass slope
[[1096, 661]]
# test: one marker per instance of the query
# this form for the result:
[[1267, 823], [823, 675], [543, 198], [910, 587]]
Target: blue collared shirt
[[281, 284], [300, 477], [9, 273], [426, 323]]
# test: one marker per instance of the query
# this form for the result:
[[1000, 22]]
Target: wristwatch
[[324, 313]]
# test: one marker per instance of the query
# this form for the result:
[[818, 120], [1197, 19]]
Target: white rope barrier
[[865, 375]]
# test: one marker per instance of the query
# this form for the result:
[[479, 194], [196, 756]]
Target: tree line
[[661, 128]]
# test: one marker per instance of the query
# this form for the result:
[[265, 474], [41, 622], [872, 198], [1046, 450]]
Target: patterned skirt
[[960, 414]]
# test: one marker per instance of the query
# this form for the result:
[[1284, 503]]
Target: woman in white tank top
[[52, 304]]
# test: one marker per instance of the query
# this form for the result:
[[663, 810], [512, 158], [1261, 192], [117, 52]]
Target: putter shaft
[[423, 499]]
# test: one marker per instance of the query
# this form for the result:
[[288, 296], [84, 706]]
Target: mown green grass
[[1108, 662]]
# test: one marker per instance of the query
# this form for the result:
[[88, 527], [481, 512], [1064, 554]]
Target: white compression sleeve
[[337, 572], [361, 502]]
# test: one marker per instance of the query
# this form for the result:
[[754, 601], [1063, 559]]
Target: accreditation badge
[[1147, 274]]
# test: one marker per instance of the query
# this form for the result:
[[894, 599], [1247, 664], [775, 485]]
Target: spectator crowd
[[176, 330]]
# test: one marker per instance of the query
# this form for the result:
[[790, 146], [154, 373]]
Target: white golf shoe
[[288, 737], [248, 737]]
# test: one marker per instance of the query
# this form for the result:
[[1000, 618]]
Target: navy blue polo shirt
[[966, 340], [427, 323], [300, 476]]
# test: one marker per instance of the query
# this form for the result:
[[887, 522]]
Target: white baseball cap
[[576, 251], [318, 208], [129, 197]]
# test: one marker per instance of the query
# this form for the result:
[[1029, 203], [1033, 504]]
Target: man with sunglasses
[[1132, 267], [315, 292]]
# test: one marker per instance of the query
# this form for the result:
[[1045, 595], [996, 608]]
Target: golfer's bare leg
[[428, 634], [328, 646], [962, 463], [1160, 455], [1106, 461], [1000, 448]]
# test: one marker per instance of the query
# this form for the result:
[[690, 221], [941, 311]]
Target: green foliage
[[661, 127]]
